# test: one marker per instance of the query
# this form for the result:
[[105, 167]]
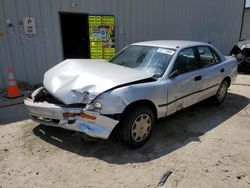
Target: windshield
[[150, 59]]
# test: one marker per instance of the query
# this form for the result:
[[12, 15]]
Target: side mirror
[[174, 73]]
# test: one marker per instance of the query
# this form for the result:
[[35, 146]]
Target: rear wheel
[[221, 93], [136, 126]]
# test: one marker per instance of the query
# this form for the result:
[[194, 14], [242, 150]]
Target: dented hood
[[81, 80]]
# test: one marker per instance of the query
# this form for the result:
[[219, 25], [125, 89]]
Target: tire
[[221, 93], [136, 126]]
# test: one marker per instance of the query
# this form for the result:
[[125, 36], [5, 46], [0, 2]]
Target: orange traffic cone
[[12, 89]]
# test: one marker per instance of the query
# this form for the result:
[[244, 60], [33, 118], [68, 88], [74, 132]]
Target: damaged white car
[[144, 82], [241, 51]]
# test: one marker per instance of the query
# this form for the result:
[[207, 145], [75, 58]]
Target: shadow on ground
[[169, 134]]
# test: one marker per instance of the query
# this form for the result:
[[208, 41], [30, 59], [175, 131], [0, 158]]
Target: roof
[[174, 44]]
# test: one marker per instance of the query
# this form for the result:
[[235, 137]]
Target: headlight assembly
[[94, 106]]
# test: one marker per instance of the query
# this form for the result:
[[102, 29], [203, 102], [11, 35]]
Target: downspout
[[242, 19]]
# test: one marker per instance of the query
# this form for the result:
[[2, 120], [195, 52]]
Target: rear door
[[183, 87], [212, 71]]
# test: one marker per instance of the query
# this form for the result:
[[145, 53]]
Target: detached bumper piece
[[73, 118]]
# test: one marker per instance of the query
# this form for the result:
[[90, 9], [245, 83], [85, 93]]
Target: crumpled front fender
[[115, 101]]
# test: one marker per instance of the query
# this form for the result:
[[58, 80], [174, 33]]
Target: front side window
[[146, 58], [186, 61], [207, 58]]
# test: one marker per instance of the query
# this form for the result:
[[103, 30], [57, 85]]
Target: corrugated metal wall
[[136, 20], [246, 24]]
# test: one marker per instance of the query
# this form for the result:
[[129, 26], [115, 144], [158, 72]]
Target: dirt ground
[[203, 146]]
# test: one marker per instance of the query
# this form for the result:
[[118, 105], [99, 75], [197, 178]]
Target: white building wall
[[246, 24], [218, 22]]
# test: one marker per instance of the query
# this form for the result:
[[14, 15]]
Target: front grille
[[44, 95]]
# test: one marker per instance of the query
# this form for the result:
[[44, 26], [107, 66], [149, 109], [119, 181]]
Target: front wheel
[[221, 93], [136, 126]]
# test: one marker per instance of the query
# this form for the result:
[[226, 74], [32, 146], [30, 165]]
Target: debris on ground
[[164, 178]]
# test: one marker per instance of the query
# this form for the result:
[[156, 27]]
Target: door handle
[[222, 70], [197, 78]]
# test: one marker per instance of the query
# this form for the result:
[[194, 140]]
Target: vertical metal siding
[[216, 21], [246, 24]]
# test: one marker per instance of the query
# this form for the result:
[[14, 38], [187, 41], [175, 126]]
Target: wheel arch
[[228, 80], [143, 102]]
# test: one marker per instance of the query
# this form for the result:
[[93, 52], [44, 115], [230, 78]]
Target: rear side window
[[207, 57], [186, 61], [216, 56]]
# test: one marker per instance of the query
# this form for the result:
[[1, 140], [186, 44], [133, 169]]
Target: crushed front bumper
[[52, 115]]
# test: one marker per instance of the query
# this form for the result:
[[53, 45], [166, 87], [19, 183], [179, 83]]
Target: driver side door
[[185, 84]]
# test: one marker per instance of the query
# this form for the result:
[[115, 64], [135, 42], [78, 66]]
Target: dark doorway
[[75, 35]]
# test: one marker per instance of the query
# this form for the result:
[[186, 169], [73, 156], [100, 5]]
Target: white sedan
[[142, 83]]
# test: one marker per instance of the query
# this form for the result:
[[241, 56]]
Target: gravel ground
[[203, 146]]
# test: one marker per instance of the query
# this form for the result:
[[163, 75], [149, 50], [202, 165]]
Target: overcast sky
[[248, 3]]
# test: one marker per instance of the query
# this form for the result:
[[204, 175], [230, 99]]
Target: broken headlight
[[93, 106]]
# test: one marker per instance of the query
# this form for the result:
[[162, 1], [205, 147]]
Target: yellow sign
[[102, 37]]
